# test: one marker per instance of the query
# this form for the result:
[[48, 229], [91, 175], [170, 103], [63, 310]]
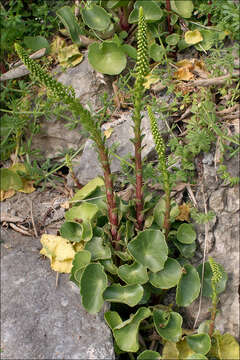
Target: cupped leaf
[[126, 333], [112, 4], [184, 349], [168, 277], [207, 286], [200, 343], [224, 347], [183, 8], [149, 248], [186, 234], [107, 58], [170, 351], [128, 294], [69, 21], [36, 43], [133, 274], [149, 355], [196, 356], [71, 231], [83, 212], [93, 283], [112, 318], [193, 37], [172, 39], [96, 17], [109, 266], [9, 180], [98, 249], [170, 330], [186, 250], [81, 259], [146, 294], [188, 287], [204, 327], [151, 11], [88, 189], [156, 52]]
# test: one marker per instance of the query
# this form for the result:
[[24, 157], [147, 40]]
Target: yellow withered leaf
[[27, 184], [108, 132], [151, 79], [184, 212], [193, 37], [62, 266], [183, 74], [6, 194]]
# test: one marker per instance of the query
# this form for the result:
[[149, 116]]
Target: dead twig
[[228, 110], [32, 218], [214, 81], [21, 229], [10, 218]]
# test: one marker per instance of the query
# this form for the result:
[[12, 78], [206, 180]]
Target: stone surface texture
[[222, 244], [38, 320]]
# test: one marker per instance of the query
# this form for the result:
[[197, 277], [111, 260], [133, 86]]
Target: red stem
[[168, 8], [209, 15]]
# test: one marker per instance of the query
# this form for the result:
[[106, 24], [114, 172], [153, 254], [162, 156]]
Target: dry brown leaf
[[6, 194], [184, 212], [183, 74]]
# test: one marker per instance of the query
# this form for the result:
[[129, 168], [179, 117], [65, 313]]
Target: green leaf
[[69, 21], [170, 331], [88, 189], [159, 212], [10, 180], [186, 234], [84, 212], [168, 277], [107, 58], [225, 347], [172, 39], [193, 37], [36, 43], [93, 283], [149, 248], [183, 8], [209, 39], [186, 250], [112, 4], [81, 259], [98, 249], [200, 343], [156, 52], [188, 287], [149, 355], [124, 256], [151, 11], [109, 266], [128, 294], [204, 327], [71, 231], [126, 333], [197, 357], [112, 318], [133, 274], [170, 351], [96, 17], [207, 285], [130, 51], [146, 294]]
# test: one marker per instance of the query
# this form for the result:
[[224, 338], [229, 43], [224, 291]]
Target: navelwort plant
[[132, 252]]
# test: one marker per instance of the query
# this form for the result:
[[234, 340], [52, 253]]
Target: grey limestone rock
[[38, 320]]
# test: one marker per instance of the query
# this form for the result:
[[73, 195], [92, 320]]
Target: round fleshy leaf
[[156, 52], [200, 343], [193, 37], [151, 11], [81, 259], [226, 345], [183, 8], [71, 231], [186, 250], [159, 211], [209, 39], [82, 212], [168, 277], [186, 234], [188, 287], [207, 286], [112, 318], [146, 294], [204, 327], [36, 42], [107, 58], [130, 51], [88, 189], [172, 39], [96, 17], [149, 355], [133, 274], [170, 330], [109, 266], [98, 250], [149, 248], [68, 18], [128, 294], [93, 283], [126, 334], [10, 180], [112, 4], [197, 357]]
